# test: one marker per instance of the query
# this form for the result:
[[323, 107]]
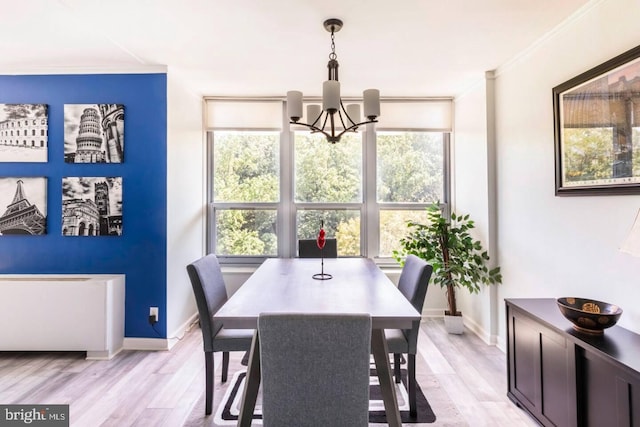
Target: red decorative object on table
[[320, 240]]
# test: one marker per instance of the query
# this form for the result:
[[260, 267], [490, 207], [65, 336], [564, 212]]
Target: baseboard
[[161, 344], [181, 330], [470, 324], [480, 331], [164, 344], [147, 344], [432, 312]]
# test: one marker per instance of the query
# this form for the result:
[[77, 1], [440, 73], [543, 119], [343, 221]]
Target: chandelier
[[332, 119]]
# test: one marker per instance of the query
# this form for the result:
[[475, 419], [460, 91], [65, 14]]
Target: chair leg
[[413, 410], [208, 399], [225, 365], [396, 367]]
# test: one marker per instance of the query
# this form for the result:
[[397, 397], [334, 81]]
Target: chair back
[[315, 369], [210, 293], [413, 283], [308, 248]]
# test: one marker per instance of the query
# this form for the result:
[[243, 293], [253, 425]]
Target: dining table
[[287, 285]]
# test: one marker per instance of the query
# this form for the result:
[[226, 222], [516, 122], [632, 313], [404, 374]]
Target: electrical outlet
[[153, 315]]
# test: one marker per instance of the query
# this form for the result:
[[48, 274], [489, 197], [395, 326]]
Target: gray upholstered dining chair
[[211, 293], [315, 369], [413, 283], [308, 248]]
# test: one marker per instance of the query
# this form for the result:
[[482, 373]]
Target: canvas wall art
[[94, 133], [92, 206], [23, 206], [597, 134], [24, 133]]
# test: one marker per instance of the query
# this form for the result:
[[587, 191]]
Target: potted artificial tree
[[457, 258]]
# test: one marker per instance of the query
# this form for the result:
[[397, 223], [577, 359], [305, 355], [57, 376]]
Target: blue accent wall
[[140, 253]]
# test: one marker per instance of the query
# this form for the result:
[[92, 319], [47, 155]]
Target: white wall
[[475, 194], [560, 246], [185, 199], [470, 186]]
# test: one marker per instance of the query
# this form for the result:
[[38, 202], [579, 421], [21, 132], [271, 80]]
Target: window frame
[[286, 208]]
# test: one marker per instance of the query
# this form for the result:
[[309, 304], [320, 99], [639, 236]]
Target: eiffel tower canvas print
[[23, 206]]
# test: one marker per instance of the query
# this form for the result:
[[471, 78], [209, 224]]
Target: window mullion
[[210, 241], [286, 210], [370, 230]]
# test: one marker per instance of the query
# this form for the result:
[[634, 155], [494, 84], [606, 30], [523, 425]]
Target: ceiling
[[254, 47]]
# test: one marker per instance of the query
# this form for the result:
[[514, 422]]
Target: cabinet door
[[524, 362], [610, 394], [542, 371], [558, 379]]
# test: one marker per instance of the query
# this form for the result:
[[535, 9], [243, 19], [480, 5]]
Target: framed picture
[[23, 206], [92, 206], [597, 129], [94, 133], [24, 133]]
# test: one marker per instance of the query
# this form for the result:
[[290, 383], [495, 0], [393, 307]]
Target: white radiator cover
[[63, 312]]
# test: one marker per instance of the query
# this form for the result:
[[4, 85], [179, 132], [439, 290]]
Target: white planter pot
[[454, 324]]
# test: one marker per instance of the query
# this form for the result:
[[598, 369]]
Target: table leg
[[252, 383], [383, 368]]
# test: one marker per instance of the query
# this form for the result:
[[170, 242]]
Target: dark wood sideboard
[[566, 378]]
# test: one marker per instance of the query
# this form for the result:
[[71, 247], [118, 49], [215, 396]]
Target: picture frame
[[94, 133], [92, 206], [24, 133], [23, 206], [597, 129]]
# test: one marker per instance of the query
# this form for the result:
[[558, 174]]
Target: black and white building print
[[23, 133], [23, 206], [94, 133], [92, 206]]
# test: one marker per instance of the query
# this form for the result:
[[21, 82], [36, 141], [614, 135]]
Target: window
[[328, 189], [269, 187], [410, 176], [245, 192]]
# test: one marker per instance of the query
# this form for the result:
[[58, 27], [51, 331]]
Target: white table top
[[286, 285]]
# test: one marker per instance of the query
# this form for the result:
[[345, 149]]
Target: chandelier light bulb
[[294, 105], [371, 103], [313, 113], [353, 111]]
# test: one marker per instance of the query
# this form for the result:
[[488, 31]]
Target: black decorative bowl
[[589, 316]]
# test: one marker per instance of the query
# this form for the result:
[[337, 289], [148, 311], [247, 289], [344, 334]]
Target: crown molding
[[133, 69]]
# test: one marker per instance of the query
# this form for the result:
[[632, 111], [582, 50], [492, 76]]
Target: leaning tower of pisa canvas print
[[94, 133]]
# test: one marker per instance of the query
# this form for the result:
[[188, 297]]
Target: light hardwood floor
[[463, 378]]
